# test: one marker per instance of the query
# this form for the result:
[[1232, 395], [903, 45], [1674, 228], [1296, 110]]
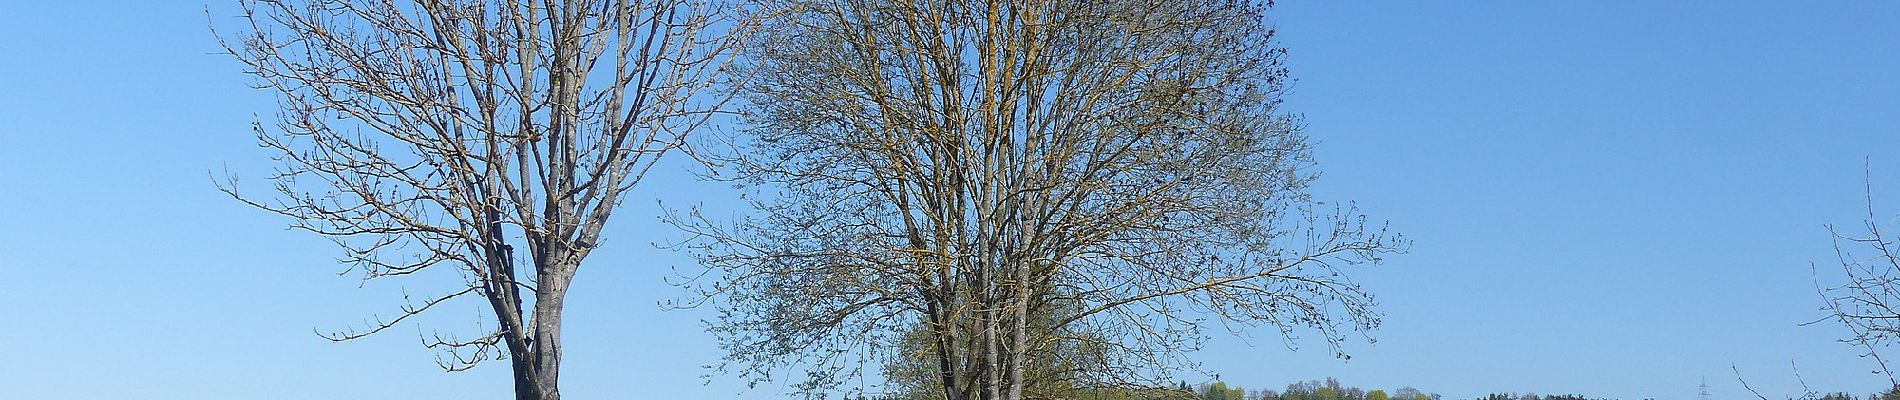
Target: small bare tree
[[495, 137], [1014, 177], [1868, 301]]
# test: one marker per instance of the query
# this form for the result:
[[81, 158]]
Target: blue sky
[[1610, 198]]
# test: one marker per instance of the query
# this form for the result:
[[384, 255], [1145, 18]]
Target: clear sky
[[1609, 198]]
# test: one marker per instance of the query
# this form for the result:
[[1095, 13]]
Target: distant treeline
[[1328, 389], [1331, 389]]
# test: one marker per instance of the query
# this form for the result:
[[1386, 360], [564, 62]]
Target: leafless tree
[[963, 166], [493, 137], [1868, 301]]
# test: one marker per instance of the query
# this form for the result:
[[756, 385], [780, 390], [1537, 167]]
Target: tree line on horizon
[[1331, 389]]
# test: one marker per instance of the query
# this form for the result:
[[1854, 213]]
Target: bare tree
[[965, 166], [493, 137], [1868, 301]]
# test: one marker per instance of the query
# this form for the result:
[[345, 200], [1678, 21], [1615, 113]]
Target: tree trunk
[[944, 340], [525, 386], [537, 359], [537, 370], [549, 300], [1018, 334]]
